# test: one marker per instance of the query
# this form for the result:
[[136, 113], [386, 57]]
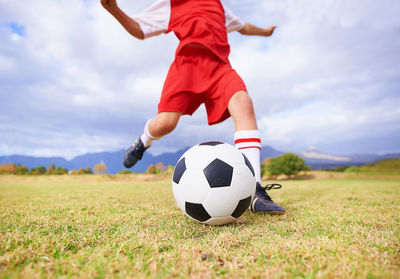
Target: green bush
[[38, 170], [60, 170], [352, 169], [21, 170], [51, 169], [288, 164], [340, 169], [85, 171], [151, 169], [125, 172]]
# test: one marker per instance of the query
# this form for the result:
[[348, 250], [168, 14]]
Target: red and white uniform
[[198, 74]]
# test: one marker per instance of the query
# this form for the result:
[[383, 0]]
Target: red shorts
[[198, 76]]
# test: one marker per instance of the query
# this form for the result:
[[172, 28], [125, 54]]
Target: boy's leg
[[247, 140], [247, 137], [161, 125]]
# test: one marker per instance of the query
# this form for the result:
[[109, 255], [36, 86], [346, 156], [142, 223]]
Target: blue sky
[[72, 80]]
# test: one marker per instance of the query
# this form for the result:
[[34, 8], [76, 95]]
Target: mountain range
[[113, 160]]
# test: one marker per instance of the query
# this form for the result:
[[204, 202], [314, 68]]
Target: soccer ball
[[213, 183]]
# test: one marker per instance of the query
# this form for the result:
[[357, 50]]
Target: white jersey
[[155, 19]]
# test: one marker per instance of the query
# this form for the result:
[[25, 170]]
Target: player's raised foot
[[262, 202], [134, 153]]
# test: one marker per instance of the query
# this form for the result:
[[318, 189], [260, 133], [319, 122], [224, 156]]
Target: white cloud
[[7, 64], [322, 78], [76, 80]]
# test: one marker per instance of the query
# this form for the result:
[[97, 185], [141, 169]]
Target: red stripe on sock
[[248, 140], [249, 147]]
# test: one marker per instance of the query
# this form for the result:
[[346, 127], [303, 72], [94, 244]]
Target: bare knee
[[166, 125], [241, 101], [163, 124], [241, 109]]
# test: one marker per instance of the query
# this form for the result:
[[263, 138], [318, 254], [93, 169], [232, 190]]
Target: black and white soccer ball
[[213, 183]]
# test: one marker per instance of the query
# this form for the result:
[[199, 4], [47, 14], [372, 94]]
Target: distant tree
[[170, 169], [74, 172], [8, 168], [51, 169], [81, 171], [160, 167], [151, 169], [100, 168], [38, 170], [60, 170], [21, 170], [288, 164], [267, 161], [85, 171], [41, 169]]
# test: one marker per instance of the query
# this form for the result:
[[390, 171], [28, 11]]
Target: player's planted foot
[[134, 153], [262, 202]]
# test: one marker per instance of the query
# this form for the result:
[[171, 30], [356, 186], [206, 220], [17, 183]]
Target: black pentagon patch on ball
[[179, 170], [248, 164], [197, 211], [218, 174], [212, 143], [242, 206]]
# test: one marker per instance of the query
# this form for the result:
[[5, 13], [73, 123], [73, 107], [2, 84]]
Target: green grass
[[101, 227], [387, 166]]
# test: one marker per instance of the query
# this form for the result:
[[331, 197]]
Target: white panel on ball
[[229, 154], [193, 186], [219, 202], [242, 175], [198, 157]]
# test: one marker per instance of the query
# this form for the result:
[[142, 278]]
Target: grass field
[[105, 227]]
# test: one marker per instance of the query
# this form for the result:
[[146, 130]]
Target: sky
[[73, 81]]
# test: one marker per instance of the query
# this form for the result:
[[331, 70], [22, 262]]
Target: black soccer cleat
[[134, 153], [262, 202]]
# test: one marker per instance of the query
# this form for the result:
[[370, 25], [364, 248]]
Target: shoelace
[[272, 186], [262, 190]]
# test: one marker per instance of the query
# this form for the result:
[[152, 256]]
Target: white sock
[[249, 143], [146, 137]]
